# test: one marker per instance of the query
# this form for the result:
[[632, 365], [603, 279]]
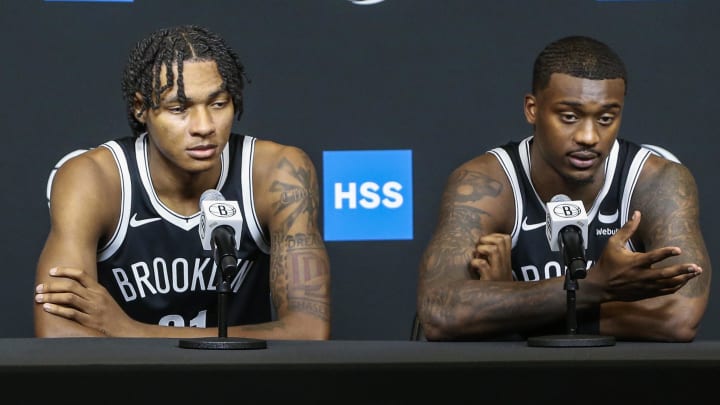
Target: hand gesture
[[623, 275], [491, 258]]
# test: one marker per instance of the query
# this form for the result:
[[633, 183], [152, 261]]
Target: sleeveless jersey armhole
[[114, 243], [506, 163]]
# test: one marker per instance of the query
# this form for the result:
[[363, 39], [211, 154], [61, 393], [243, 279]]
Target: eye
[[176, 109], [606, 119], [568, 117], [220, 104]]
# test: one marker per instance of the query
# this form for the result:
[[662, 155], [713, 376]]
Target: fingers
[[624, 234], [76, 274], [64, 279], [666, 280], [492, 244], [479, 263], [647, 259], [65, 288], [684, 271], [64, 304], [491, 257], [64, 297]]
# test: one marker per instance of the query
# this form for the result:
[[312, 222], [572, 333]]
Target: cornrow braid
[[173, 46], [577, 56]]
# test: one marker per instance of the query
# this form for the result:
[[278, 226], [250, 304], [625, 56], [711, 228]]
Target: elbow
[[683, 331], [687, 335], [684, 320], [321, 333], [439, 328], [314, 330]]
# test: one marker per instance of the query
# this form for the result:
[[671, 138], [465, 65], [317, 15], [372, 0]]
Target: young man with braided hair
[[123, 256], [488, 271]]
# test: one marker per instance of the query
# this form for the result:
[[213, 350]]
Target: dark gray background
[[445, 78]]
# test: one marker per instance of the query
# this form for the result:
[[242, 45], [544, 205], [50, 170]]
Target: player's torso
[[532, 258], [155, 266]]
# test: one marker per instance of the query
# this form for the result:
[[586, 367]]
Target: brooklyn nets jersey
[[154, 264], [532, 258]]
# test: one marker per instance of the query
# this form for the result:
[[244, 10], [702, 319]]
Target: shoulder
[[86, 186], [93, 167], [662, 184], [274, 159], [478, 188], [270, 150], [663, 170], [282, 174], [484, 169]]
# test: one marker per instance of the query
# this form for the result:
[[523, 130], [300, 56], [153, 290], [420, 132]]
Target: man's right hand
[[491, 258]]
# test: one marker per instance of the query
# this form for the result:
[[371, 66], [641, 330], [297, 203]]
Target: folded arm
[[458, 300], [84, 206]]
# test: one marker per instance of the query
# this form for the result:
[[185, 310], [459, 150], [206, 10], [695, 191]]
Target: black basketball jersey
[[532, 258], [155, 266]]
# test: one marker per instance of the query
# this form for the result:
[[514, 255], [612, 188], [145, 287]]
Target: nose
[[587, 134], [201, 122]]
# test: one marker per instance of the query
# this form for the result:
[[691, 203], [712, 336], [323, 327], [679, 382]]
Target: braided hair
[[577, 56], [173, 46]]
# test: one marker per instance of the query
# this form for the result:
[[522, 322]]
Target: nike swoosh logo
[[526, 227], [608, 219], [134, 222]]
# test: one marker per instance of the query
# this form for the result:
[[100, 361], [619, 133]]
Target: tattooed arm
[[456, 302], [287, 202], [666, 195]]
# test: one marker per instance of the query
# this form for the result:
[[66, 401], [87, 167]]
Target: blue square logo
[[368, 195]]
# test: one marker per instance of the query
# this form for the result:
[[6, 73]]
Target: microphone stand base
[[222, 343], [571, 341]]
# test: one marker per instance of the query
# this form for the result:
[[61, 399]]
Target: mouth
[[202, 151], [583, 159]]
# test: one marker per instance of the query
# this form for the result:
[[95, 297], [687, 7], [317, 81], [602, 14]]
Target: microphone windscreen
[[211, 195], [557, 198], [215, 212]]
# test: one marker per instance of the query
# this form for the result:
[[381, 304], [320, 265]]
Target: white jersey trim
[[610, 165], [524, 153], [507, 166], [251, 218], [118, 237], [185, 222], [632, 179]]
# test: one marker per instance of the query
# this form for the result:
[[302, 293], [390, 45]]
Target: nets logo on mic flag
[[562, 212], [215, 211], [368, 195]]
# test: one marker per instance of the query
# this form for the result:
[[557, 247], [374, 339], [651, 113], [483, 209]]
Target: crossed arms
[[84, 211]]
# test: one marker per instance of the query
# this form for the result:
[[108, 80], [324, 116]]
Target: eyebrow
[[577, 104], [211, 96]]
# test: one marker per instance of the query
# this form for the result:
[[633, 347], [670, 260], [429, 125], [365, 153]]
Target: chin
[[580, 179]]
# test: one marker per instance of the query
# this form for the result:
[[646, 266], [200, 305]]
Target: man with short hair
[[488, 271]]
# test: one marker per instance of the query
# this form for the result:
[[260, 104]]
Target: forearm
[[481, 309], [290, 328], [293, 327], [671, 318], [51, 326]]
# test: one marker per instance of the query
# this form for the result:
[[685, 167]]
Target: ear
[[138, 108], [530, 108]]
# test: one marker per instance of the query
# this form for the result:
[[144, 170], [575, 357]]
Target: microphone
[[220, 229], [567, 230]]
